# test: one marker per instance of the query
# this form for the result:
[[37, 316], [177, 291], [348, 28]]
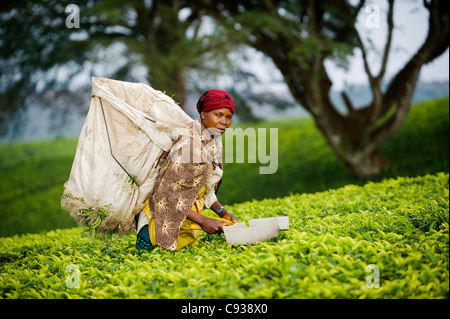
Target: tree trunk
[[369, 165], [171, 81], [164, 33]]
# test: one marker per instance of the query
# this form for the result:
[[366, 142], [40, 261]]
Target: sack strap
[[110, 147]]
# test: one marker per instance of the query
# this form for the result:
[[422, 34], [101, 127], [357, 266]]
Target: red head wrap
[[215, 99]]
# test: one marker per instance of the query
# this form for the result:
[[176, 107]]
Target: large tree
[[40, 38], [300, 35]]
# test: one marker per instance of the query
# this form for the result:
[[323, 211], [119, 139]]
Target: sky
[[410, 29]]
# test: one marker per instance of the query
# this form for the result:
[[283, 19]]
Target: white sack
[[142, 125]]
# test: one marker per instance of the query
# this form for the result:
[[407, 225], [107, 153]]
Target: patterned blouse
[[195, 161]]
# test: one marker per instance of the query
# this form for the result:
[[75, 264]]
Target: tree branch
[[436, 43], [364, 56], [378, 105], [348, 102], [197, 27], [389, 128], [390, 20]]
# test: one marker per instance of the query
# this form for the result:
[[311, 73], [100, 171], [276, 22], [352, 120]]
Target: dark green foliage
[[32, 179]]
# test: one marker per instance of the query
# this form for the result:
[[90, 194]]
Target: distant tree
[[300, 35], [45, 44], [38, 38]]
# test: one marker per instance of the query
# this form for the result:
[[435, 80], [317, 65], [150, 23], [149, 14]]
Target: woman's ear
[[202, 115]]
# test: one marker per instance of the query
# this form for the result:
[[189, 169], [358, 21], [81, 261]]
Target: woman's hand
[[226, 215], [212, 226], [223, 212]]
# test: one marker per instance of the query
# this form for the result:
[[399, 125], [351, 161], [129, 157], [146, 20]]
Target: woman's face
[[217, 121]]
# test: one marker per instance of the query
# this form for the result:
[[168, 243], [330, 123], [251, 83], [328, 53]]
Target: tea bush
[[337, 237]]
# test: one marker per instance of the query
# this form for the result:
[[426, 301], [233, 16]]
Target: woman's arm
[[209, 225], [223, 212]]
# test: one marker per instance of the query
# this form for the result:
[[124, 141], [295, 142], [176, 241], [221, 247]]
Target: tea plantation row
[[380, 240], [33, 174]]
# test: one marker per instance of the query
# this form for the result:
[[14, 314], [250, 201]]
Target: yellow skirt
[[187, 236]]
